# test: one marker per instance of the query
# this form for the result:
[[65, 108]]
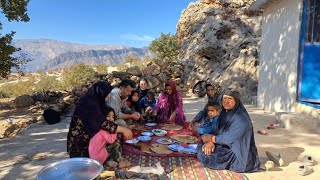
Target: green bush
[[101, 68], [3, 95], [17, 89], [77, 75], [48, 83]]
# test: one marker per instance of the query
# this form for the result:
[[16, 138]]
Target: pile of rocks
[[218, 41]]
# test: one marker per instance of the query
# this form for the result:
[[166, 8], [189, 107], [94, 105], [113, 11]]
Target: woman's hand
[[172, 117], [206, 138], [127, 133], [208, 148]]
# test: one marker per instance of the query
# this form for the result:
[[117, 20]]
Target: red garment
[[170, 96], [97, 150]]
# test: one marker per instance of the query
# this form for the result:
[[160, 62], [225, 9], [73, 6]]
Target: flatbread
[[140, 128], [144, 147], [164, 141], [185, 138], [160, 148], [171, 127]]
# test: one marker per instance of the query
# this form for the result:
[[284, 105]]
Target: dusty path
[[21, 157]]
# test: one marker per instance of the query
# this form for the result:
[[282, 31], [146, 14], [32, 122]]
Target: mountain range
[[47, 54]]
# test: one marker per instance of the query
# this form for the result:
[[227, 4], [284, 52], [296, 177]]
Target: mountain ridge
[[47, 53]]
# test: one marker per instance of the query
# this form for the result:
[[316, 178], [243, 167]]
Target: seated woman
[[170, 106], [232, 144], [89, 118]]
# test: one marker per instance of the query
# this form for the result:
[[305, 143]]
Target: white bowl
[[159, 132], [144, 138]]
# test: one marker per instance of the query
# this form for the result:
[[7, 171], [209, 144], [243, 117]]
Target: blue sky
[[127, 22]]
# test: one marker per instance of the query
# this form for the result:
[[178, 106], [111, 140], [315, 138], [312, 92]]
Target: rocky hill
[[219, 42], [52, 54]]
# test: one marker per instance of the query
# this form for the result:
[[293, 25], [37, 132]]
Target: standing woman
[[232, 145], [89, 118], [170, 105]]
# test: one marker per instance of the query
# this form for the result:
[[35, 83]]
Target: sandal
[[308, 160], [277, 159], [262, 131], [305, 170], [273, 126]]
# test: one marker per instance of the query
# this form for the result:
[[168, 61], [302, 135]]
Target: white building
[[289, 71]]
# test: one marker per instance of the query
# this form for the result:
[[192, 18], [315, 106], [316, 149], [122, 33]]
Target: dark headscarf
[[244, 147], [134, 105], [171, 96], [91, 107]]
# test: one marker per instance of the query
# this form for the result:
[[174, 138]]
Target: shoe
[[277, 159], [273, 126], [308, 160], [305, 170], [269, 165], [263, 132]]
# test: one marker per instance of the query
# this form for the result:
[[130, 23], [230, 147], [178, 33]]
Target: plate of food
[[144, 138], [132, 141], [147, 133], [175, 147], [164, 141], [159, 132], [150, 124], [171, 127]]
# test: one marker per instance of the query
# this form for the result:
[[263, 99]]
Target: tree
[[14, 10], [165, 47]]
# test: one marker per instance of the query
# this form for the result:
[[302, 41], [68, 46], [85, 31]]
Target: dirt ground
[[23, 156]]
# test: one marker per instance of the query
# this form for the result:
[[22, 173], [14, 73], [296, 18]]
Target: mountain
[[49, 54]]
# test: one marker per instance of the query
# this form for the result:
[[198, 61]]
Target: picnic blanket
[[129, 149], [183, 167]]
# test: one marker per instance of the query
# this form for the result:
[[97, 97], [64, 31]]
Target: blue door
[[309, 62]]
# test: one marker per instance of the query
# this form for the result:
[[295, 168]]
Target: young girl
[[133, 101], [97, 149]]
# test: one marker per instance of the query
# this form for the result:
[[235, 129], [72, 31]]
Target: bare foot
[[112, 164], [124, 164]]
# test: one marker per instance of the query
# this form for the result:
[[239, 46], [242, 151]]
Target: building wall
[[279, 55]]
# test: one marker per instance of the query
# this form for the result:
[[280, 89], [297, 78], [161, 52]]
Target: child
[[148, 103], [209, 124], [133, 101], [97, 149]]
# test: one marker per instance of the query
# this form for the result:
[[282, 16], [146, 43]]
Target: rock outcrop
[[219, 42]]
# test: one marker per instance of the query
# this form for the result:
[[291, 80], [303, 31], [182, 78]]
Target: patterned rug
[[184, 168]]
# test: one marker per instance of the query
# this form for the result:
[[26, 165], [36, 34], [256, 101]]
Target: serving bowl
[[159, 132], [71, 169]]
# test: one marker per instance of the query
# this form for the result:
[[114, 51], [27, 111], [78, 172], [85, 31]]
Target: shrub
[[101, 68], [48, 83], [17, 89], [77, 75]]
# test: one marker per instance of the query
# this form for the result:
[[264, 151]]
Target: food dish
[[150, 124], [144, 138], [147, 133], [159, 132], [73, 168], [164, 141], [175, 147], [170, 127], [132, 141]]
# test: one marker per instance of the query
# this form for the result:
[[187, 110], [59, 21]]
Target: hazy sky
[[127, 22]]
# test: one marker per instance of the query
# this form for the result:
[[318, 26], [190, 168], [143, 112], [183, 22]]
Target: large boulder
[[22, 101]]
